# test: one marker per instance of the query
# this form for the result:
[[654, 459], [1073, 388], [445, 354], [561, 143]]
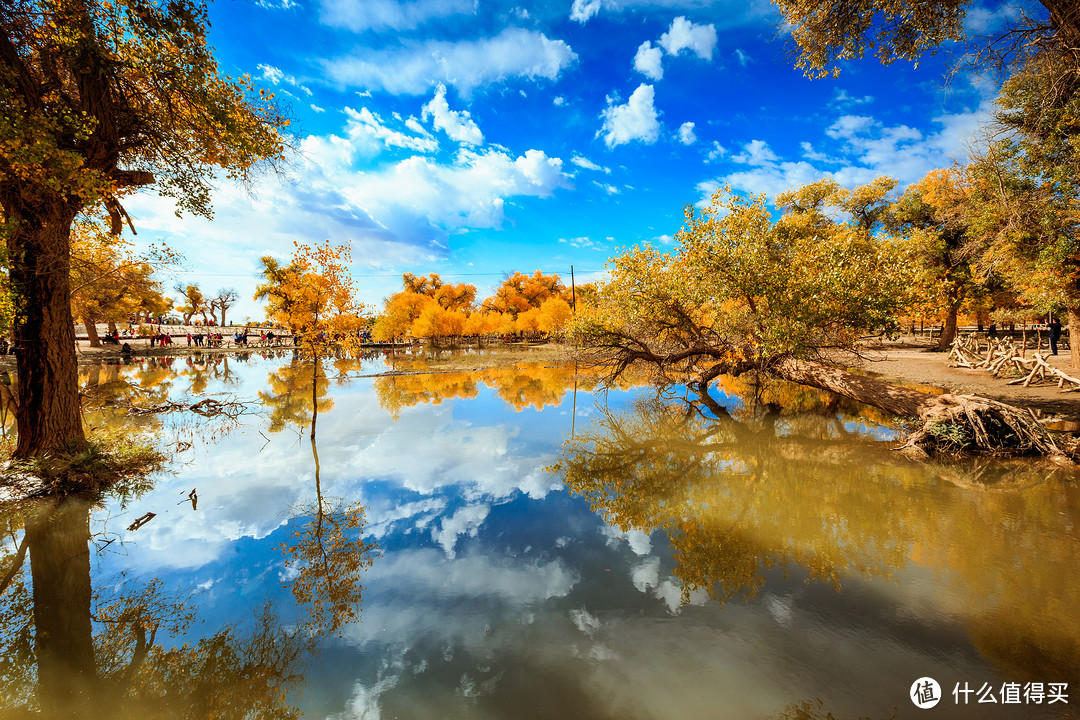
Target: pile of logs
[[1003, 358]]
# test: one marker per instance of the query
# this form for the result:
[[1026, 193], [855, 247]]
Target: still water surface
[[514, 543]]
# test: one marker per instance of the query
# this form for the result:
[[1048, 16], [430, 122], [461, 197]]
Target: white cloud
[[582, 10], [360, 15], [456, 124], [317, 109], [364, 124], [755, 152], [847, 126], [981, 21], [271, 74], [862, 148], [275, 76], [648, 61], [733, 12], [636, 120], [463, 65], [584, 162], [559, 101], [742, 57], [842, 99], [466, 521], [716, 152], [345, 188], [686, 35], [814, 156], [686, 133]]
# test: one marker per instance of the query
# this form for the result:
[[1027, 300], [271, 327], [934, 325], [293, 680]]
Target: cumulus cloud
[[582, 10], [345, 187], [635, 120], [465, 66], [648, 61], [686, 35], [686, 133], [456, 124], [755, 152], [360, 15], [364, 124]]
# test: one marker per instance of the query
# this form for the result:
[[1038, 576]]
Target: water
[[671, 560]]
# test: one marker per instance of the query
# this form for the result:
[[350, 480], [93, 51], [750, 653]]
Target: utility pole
[[573, 291]]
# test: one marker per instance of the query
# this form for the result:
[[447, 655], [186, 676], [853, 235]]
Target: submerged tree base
[[974, 425], [102, 462]]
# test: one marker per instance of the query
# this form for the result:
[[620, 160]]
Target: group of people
[[201, 339]]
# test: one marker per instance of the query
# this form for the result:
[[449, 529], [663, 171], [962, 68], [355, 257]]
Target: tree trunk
[[314, 399], [948, 331], [60, 570], [39, 249], [1074, 335], [891, 398], [91, 332]]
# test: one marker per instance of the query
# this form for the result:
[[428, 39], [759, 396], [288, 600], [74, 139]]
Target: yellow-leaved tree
[[110, 282], [746, 294], [315, 297], [101, 98]]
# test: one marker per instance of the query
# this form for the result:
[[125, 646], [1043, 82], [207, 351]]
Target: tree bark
[[948, 331], [48, 415], [1065, 17], [1073, 313], [60, 570], [91, 332], [891, 398]]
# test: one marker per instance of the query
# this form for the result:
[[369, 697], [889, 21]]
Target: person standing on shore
[[1055, 334]]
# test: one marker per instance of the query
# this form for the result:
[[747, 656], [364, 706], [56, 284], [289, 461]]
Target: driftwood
[[1002, 357], [207, 407], [141, 520]]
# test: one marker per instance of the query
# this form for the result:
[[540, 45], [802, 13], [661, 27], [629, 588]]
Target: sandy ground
[[908, 362]]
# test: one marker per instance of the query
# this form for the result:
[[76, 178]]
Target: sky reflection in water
[[731, 568]]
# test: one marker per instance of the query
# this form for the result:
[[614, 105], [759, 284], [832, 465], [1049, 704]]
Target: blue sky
[[476, 138]]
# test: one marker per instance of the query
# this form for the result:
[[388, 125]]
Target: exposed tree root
[[969, 424], [951, 424]]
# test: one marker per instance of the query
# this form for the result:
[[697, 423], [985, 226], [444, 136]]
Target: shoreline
[[905, 361]]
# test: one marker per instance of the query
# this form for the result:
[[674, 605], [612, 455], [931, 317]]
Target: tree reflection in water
[[525, 385], [74, 652], [128, 649], [738, 496]]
